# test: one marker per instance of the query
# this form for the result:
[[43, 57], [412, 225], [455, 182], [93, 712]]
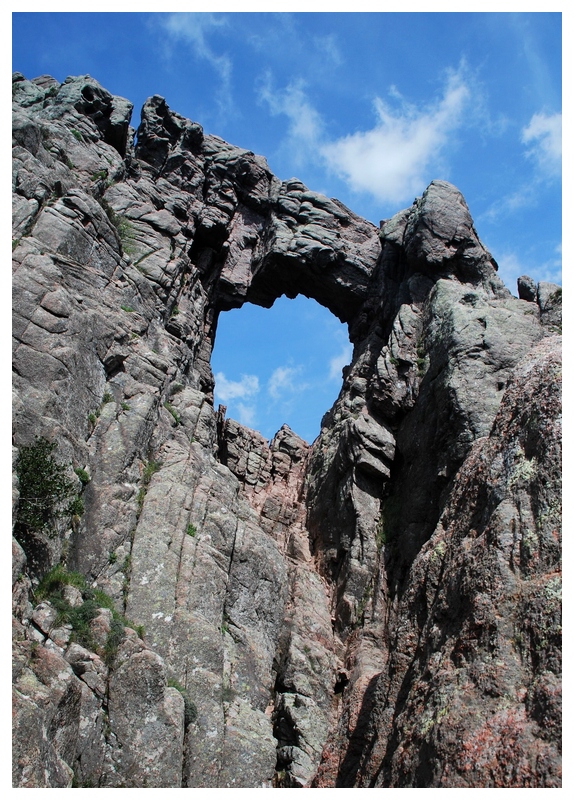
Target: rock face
[[378, 608]]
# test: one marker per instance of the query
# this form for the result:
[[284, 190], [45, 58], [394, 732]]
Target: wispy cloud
[[247, 414], [194, 28], [285, 380], [227, 390], [305, 128], [511, 267], [328, 49], [339, 361], [543, 135], [543, 140]]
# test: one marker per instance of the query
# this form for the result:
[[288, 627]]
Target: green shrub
[[107, 398], [150, 469], [82, 475], [77, 134], [76, 507], [191, 530], [190, 709], [44, 487], [55, 580], [228, 694], [79, 617], [114, 639]]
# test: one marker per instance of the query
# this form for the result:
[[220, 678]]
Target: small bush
[[191, 530], [125, 406], [114, 639], [127, 309], [76, 507], [77, 134], [82, 475], [107, 398], [190, 709]]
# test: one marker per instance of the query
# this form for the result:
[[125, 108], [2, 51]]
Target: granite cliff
[[378, 608]]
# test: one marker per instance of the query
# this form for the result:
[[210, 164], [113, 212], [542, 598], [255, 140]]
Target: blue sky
[[365, 107]]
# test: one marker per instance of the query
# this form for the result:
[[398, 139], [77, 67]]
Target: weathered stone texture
[[376, 608]]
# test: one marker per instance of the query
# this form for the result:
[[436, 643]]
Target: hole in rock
[[279, 365]]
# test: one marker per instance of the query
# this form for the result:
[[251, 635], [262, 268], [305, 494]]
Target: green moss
[[126, 234], [389, 521], [173, 413], [45, 490], [367, 594]]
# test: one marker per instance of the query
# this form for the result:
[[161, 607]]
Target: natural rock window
[[280, 365]]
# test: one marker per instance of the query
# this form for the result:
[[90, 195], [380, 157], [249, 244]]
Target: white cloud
[[284, 381], [227, 390], [544, 134], [339, 361], [393, 160], [193, 28]]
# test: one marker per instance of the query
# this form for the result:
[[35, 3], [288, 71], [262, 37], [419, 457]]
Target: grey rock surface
[[294, 614]]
